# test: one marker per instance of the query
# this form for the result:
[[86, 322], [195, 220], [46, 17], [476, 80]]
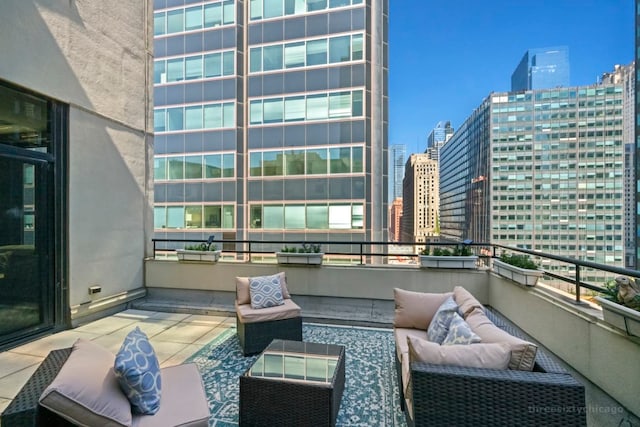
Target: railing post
[[154, 249], [361, 254], [250, 254], [577, 284]]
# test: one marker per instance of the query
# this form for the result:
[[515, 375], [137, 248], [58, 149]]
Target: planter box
[[620, 316], [299, 258], [437, 261], [523, 276], [202, 256]]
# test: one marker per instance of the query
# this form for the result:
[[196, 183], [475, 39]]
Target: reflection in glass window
[[272, 57], [193, 216], [294, 7], [255, 59], [357, 103], [175, 70], [316, 5], [193, 18], [212, 216], [213, 65], [255, 112], [272, 8], [159, 124], [229, 115], [255, 7], [193, 67], [229, 12], [193, 117], [272, 110], [255, 164], [294, 217], [159, 168], [357, 216], [175, 118], [255, 216], [213, 166], [356, 160], [176, 167], [159, 72], [317, 161], [318, 217], [160, 217], [228, 67], [356, 47], [175, 216], [273, 217], [193, 167], [159, 26], [228, 166], [213, 116], [213, 15], [294, 162], [317, 52], [339, 160], [339, 49], [175, 21], [272, 163]]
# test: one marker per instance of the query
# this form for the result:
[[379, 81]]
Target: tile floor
[[174, 337]]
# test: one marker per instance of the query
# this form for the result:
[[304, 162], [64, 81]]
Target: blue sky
[[445, 56]]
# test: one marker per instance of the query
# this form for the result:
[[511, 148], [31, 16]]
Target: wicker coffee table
[[293, 383]]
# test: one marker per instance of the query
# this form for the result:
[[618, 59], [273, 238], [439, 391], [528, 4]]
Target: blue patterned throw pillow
[[439, 326], [265, 291], [138, 373], [460, 332]]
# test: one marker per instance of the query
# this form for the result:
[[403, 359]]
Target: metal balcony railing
[[572, 272]]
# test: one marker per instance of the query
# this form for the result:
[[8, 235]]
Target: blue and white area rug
[[371, 391]]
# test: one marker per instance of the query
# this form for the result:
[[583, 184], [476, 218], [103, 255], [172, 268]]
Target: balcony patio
[[188, 304]]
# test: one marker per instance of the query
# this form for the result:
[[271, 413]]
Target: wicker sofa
[[445, 394]]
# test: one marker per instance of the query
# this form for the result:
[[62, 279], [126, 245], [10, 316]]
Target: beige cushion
[[488, 356], [523, 353], [242, 289], [416, 309], [86, 390], [401, 334], [288, 310], [183, 401], [466, 302]]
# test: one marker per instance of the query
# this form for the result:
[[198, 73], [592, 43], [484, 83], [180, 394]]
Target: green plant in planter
[[521, 261], [624, 291], [201, 247], [306, 248], [457, 251]]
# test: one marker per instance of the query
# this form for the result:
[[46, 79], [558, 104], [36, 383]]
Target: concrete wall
[[96, 57]]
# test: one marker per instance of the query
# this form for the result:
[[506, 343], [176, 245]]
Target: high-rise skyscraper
[[542, 68], [438, 136], [270, 120], [540, 169], [397, 158], [420, 200]]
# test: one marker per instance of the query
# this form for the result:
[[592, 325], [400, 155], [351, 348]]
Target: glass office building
[[542, 170], [271, 119], [542, 68], [397, 155]]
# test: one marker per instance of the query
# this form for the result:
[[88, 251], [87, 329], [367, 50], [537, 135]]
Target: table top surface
[[298, 361]]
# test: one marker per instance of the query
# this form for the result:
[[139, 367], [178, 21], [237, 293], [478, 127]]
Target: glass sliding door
[[25, 246], [33, 135]]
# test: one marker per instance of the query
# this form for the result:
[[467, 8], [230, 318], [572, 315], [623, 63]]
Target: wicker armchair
[[258, 327]]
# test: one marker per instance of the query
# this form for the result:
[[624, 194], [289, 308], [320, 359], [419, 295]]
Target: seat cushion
[[138, 372], [247, 314], [86, 390], [416, 309], [466, 302], [487, 356], [183, 403], [401, 335], [523, 353], [243, 296]]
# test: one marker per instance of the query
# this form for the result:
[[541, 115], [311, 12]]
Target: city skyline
[[464, 56]]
